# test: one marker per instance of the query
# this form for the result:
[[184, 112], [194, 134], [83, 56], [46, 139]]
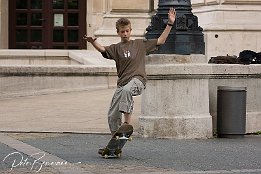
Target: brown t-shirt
[[130, 58]]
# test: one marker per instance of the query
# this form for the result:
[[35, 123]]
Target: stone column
[[175, 103], [138, 11]]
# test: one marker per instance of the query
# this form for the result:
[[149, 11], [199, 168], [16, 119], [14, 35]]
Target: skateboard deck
[[116, 143]]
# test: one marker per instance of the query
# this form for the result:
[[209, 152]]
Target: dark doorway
[[47, 24]]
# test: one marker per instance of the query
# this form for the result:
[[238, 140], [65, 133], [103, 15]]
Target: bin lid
[[231, 88]]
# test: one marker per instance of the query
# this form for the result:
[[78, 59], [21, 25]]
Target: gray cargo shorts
[[122, 102]]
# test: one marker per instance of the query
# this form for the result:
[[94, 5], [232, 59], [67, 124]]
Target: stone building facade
[[230, 26]]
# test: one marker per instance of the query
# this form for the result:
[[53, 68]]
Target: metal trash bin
[[231, 112]]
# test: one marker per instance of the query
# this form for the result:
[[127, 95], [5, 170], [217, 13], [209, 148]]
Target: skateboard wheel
[[119, 155], [106, 156], [130, 139], [117, 137], [100, 151], [117, 151], [105, 152]]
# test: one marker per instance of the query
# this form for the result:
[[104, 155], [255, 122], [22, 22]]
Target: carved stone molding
[[198, 2], [252, 2], [212, 2]]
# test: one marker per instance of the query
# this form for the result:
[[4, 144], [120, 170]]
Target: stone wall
[[238, 76], [179, 101], [36, 57], [31, 80], [230, 26], [53, 71], [180, 98]]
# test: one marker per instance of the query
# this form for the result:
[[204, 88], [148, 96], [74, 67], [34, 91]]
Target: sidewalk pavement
[[84, 113], [80, 112]]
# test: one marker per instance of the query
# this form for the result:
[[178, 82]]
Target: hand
[[171, 15], [89, 39]]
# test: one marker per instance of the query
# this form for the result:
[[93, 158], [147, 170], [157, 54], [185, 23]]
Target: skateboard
[[116, 143]]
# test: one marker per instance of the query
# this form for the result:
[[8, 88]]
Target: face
[[125, 32]]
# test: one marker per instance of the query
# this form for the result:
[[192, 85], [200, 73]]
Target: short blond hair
[[122, 22]]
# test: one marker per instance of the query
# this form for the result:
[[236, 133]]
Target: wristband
[[169, 24], [93, 40]]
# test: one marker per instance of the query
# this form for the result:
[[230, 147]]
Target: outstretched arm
[[165, 33], [94, 43]]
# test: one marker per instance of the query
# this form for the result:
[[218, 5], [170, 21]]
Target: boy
[[129, 56]]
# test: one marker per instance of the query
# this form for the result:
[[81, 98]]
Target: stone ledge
[[34, 53], [175, 59], [231, 27], [58, 70], [89, 57], [32, 80], [236, 69], [225, 7], [53, 57], [172, 69], [241, 2], [207, 70]]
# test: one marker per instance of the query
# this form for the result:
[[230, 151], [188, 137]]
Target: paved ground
[[82, 112], [85, 113], [139, 156]]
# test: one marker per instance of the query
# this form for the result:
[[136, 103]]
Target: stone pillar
[[175, 103], [138, 11], [95, 12]]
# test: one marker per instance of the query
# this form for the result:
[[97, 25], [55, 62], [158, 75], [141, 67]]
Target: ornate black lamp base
[[186, 36]]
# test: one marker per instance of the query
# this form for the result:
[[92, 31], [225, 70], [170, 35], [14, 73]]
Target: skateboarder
[[129, 56]]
